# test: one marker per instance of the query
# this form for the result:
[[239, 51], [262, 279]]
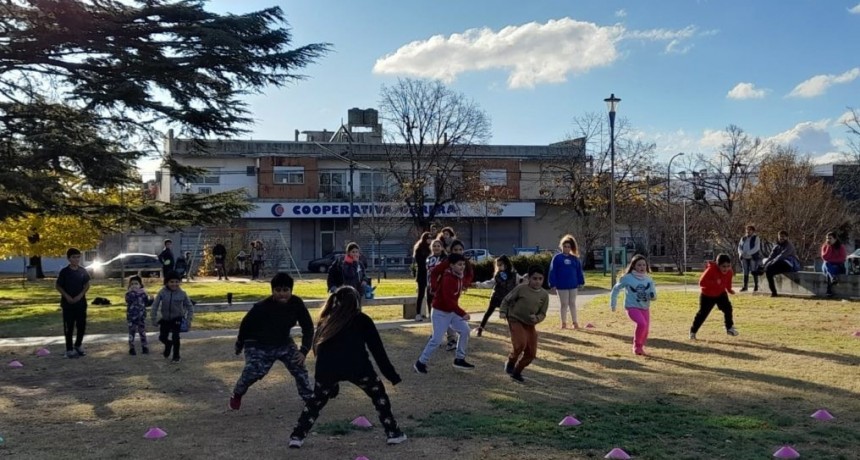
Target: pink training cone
[[361, 457], [362, 421], [590, 326], [42, 352], [155, 433], [569, 421], [856, 334], [617, 453], [15, 364], [823, 415], [786, 452]]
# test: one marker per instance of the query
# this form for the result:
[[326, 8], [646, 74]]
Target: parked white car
[[478, 255]]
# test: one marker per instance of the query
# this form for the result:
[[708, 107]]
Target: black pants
[[774, 269], [422, 291], [323, 391], [169, 326], [750, 266], [74, 317], [490, 309], [255, 269], [706, 304]]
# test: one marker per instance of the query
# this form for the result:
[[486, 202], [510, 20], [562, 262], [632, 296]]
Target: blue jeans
[[832, 270], [441, 322]]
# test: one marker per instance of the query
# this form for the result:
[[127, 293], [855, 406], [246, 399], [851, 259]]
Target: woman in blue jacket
[[566, 277]]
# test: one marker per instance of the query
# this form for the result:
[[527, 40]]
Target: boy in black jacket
[[265, 336]]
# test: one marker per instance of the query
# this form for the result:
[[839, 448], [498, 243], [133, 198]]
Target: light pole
[[669, 191], [648, 209], [612, 104], [486, 218]]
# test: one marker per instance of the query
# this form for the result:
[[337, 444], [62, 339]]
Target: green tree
[[86, 88]]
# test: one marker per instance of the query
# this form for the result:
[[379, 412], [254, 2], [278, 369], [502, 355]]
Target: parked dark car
[[322, 264], [127, 264]]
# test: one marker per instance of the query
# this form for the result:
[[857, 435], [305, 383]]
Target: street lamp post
[[612, 104], [486, 218], [669, 193]]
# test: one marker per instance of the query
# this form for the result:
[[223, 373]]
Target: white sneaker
[[419, 318], [295, 443], [397, 439], [692, 336], [732, 331]]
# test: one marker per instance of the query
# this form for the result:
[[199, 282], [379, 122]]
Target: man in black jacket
[[264, 334]]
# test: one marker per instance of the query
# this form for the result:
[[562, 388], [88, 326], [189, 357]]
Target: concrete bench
[[409, 304], [814, 284]]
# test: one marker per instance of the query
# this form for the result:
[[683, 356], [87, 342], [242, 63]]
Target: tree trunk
[[36, 261]]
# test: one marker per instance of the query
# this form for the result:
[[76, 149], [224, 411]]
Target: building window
[[375, 186], [211, 176], [496, 177], [332, 185], [291, 175]]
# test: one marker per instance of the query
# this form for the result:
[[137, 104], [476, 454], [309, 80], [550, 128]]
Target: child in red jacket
[[716, 284]]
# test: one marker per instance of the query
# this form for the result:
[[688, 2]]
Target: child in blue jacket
[[566, 277]]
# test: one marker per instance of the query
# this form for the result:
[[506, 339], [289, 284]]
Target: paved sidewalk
[[582, 300]]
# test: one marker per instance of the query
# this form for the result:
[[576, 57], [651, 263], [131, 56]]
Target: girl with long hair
[[639, 291], [420, 253], [566, 277], [504, 280], [834, 254]]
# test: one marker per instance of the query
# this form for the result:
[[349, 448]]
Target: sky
[[783, 70]]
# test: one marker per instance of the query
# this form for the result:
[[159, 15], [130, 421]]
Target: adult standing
[[834, 254], [73, 282], [348, 270], [219, 253], [782, 259], [166, 258], [420, 252], [256, 259], [749, 253]]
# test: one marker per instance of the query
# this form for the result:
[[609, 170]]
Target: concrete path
[[583, 299]]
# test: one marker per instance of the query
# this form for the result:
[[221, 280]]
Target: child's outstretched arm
[[374, 344], [613, 297]]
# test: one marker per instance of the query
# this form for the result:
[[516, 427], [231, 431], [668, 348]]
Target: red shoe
[[235, 402]]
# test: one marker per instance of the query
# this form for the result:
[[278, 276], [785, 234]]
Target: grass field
[[719, 397]]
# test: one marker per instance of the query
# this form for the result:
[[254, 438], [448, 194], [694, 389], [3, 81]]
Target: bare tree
[[384, 220], [577, 178], [430, 130], [718, 184], [788, 197]]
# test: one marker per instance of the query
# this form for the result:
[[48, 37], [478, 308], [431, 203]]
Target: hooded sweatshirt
[[714, 282], [171, 305], [447, 296]]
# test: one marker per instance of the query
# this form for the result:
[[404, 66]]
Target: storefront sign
[[316, 210]]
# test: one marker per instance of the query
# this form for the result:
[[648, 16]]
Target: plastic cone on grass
[[155, 433], [361, 457], [15, 364], [856, 334], [362, 421], [590, 326], [823, 415], [617, 453], [42, 352], [786, 452], [569, 421]]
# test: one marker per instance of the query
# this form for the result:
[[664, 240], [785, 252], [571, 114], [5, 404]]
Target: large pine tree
[[87, 87]]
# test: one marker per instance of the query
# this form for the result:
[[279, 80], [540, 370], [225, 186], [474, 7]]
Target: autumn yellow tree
[[35, 236]]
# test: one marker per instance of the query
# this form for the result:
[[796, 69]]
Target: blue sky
[[783, 70]]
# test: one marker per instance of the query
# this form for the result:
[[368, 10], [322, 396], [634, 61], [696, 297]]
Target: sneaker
[[509, 367], [479, 331], [692, 336], [774, 294], [452, 345], [176, 360], [743, 289], [80, 351], [236, 402], [167, 349], [419, 318], [517, 377], [71, 354], [420, 367], [755, 289], [462, 364], [132, 352], [575, 325], [732, 331], [396, 439], [296, 443], [145, 350]]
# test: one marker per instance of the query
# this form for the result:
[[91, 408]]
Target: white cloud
[[830, 158], [622, 13], [809, 137], [846, 117], [533, 53], [746, 91], [855, 10], [818, 84], [713, 139]]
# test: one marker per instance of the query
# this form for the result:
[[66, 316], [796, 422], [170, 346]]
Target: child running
[[566, 277], [456, 247], [344, 334], [172, 305], [716, 284], [447, 313], [503, 281], [264, 334], [135, 314], [639, 292], [524, 308]]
